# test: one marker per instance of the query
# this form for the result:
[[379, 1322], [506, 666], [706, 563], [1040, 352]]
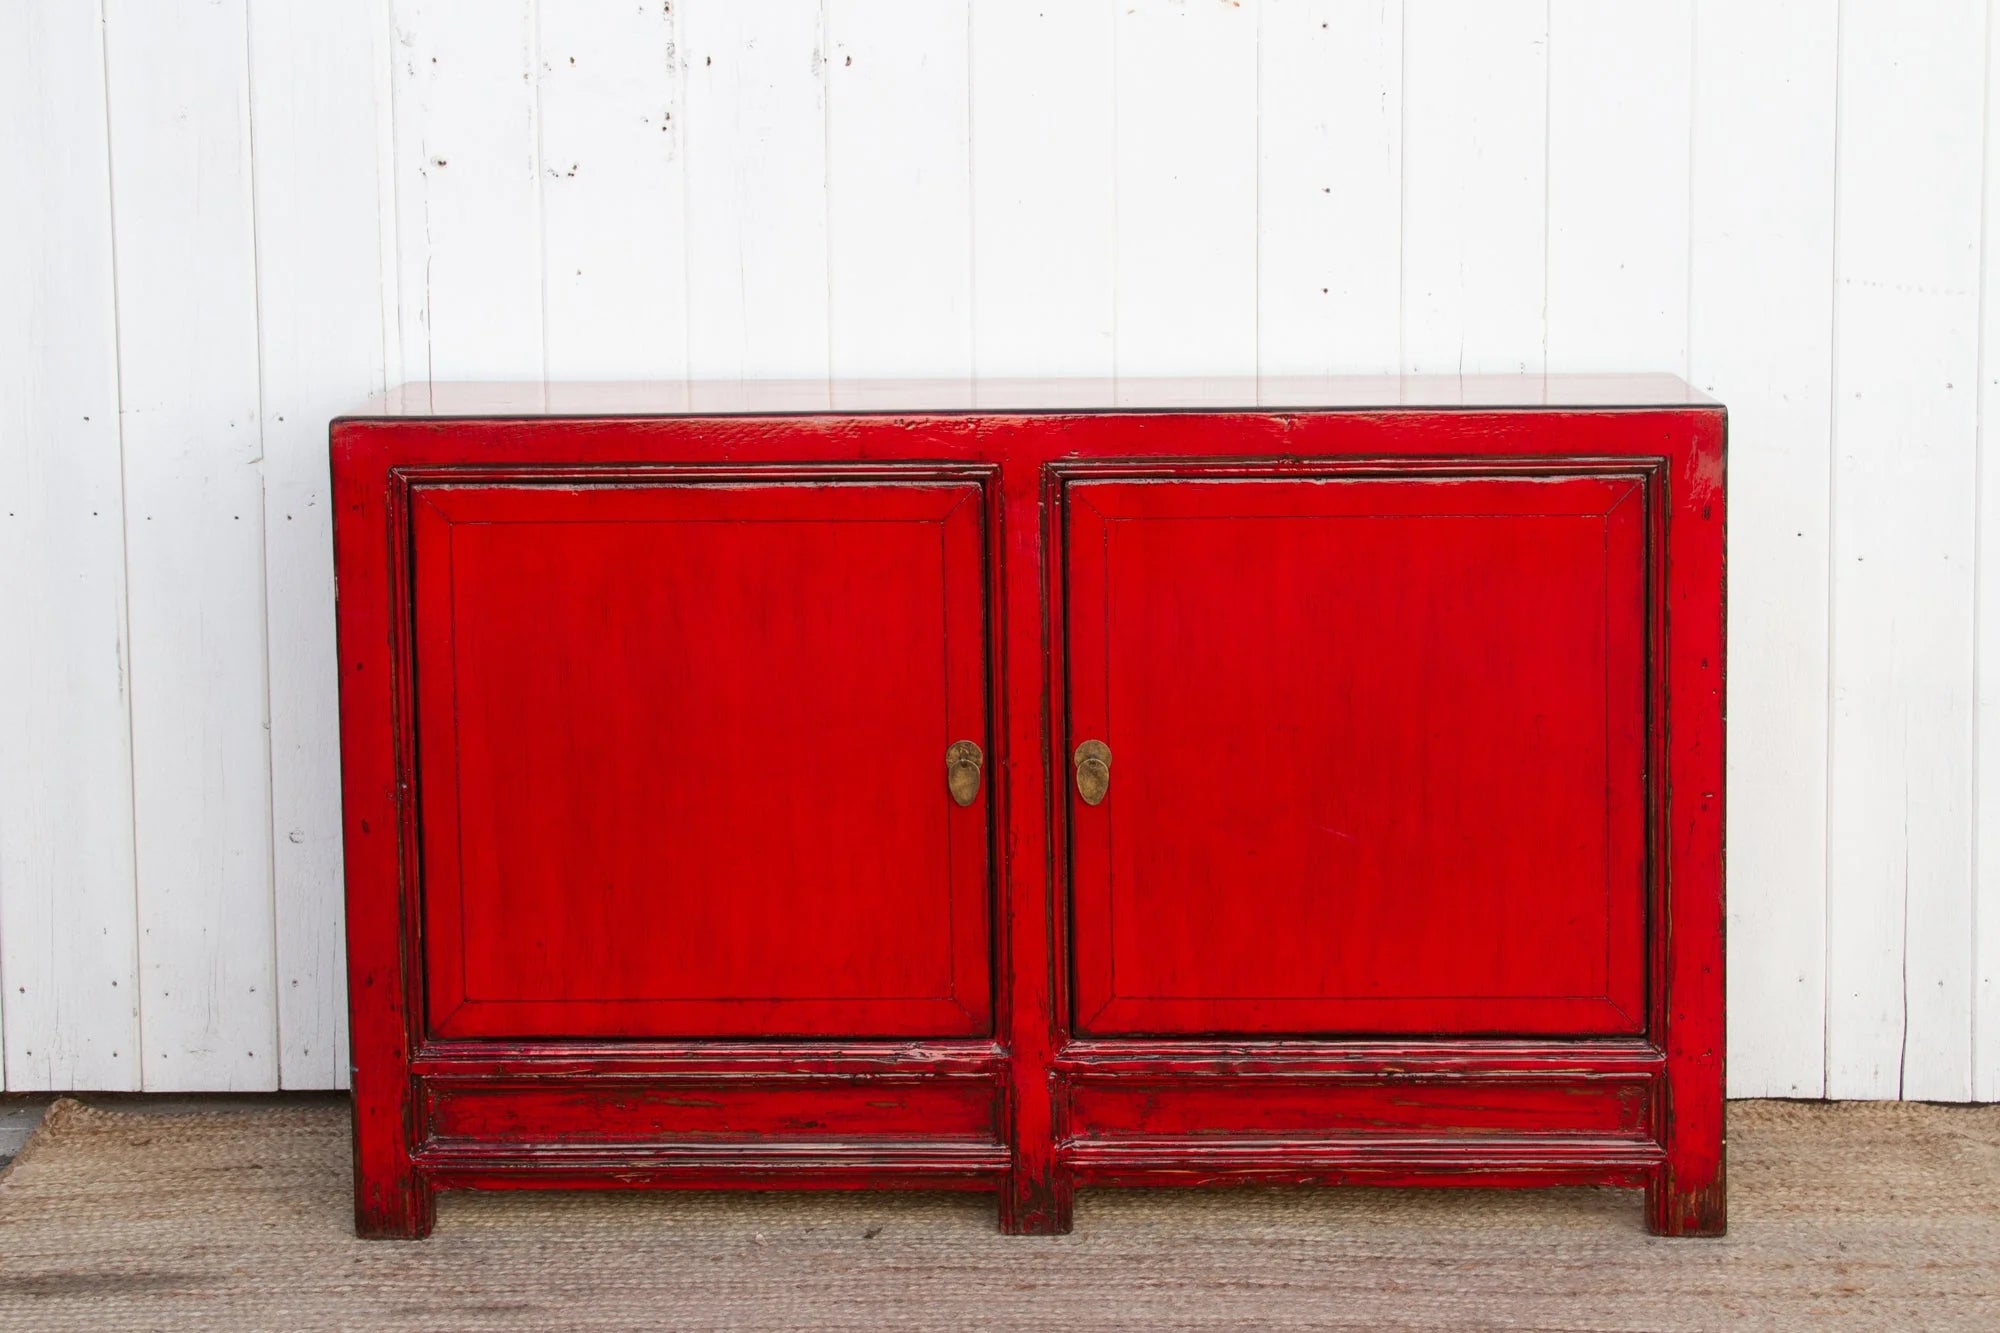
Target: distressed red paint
[[1408, 870]]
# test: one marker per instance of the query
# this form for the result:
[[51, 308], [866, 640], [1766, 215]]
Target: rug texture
[[1863, 1216]]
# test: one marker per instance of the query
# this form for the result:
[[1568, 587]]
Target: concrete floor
[[19, 1114], [1857, 1215]]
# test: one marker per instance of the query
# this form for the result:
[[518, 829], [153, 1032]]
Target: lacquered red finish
[[1379, 753], [1409, 870], [681, 746], [725, 1110]]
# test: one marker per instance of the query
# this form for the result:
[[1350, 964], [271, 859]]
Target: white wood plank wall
[[235, 218]]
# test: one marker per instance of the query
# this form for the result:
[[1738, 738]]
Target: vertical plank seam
[[1402, 187], [1687, 296], [971, 200], [430, 248], [1903, 1040], [1257, 192], [1979, 545], [1832, 563], [388, 196], [1548, 128], [534, 61], [263, 542], [677, 144], [826, 66], [1117, 250], [424, 177], [137, 1030]]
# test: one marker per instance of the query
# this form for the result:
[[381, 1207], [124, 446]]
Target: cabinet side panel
[[368, 575], [1687, 1198]]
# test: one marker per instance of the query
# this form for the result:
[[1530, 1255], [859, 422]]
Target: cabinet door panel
[[1378, 754], [682, 759]]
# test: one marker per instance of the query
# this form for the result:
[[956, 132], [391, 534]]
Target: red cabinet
[[1018, 787]]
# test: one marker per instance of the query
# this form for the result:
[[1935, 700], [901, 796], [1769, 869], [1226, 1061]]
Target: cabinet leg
[[1676, 1207], [400, 1209], [1037, 1206]]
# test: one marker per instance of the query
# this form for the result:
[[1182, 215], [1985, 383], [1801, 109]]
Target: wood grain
[[1899, 811], [1762, 222], [194, 542], [69, 975], [314, 140], [1506, 170]]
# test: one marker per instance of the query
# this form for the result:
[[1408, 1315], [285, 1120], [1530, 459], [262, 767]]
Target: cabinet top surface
[[979, 396]]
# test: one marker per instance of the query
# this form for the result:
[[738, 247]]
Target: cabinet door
[[1377, 755], [682, 758]]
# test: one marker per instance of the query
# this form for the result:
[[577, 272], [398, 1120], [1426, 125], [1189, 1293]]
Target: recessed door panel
[[1371, 755], [683, 759]]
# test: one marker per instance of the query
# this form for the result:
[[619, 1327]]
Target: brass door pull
[[962, 763], [1093, 771]]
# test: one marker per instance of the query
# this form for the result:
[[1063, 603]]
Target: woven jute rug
[[1866, 1216]]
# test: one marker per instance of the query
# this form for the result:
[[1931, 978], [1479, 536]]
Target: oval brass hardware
[[962, 762], [1093, 771]]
